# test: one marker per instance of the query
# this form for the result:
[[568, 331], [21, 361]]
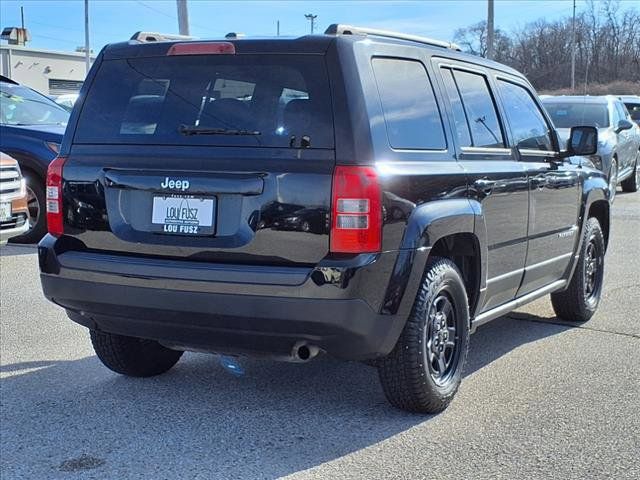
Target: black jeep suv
[[362, 193]]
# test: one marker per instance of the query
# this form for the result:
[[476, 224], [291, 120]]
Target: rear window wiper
[[186, 130]]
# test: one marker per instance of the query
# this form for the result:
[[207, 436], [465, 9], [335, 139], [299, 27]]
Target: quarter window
[[528, 126], [409, 105], [480, 109], [459, 116]]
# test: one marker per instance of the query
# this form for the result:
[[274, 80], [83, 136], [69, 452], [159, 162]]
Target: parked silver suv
[[618, 153]]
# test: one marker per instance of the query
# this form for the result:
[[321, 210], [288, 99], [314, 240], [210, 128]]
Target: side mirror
[[582, 141], [623, 125]]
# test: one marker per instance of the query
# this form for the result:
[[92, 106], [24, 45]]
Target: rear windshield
[[567, 115], [234, 100]]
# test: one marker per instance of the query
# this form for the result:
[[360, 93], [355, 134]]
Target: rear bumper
[[7, 233], [228, 309]]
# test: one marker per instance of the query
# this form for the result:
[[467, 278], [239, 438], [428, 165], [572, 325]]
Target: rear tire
[[632, 183], [424, 370], [580, 300], [134, 357], [37, 210]]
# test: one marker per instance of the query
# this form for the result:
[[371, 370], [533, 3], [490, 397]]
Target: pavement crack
[[573, 325]]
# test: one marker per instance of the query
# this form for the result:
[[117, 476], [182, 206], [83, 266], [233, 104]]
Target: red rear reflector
[[54, 197], [356, 211], [202, 48]]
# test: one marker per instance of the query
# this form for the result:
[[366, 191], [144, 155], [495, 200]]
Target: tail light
[[356, 208], [54, 197]]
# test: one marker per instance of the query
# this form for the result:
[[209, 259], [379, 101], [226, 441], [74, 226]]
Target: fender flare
[[595, 189], [427, 224]]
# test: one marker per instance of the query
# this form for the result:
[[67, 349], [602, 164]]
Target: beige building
[[48, 72]]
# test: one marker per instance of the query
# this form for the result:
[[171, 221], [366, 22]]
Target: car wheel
[[134, 357], [632, 183], [305, 226], [424, 370], [36, 205], [613, 179], [580, 300]]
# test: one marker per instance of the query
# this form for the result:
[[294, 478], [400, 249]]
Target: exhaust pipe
[[303, 352]]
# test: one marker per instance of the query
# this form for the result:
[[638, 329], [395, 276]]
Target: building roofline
[[6, 46]]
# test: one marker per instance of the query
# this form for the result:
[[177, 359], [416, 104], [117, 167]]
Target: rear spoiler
[[145, 37]]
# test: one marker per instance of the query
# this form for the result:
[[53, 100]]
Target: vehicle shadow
[[10, 250], [274, 420]]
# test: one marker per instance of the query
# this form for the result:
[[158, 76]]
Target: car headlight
[[596, 160]]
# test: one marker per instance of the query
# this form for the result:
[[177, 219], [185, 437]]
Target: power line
[[57, 39], [153, 9], [173, 17]]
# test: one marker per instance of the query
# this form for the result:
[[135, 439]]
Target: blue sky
[[59, 24]]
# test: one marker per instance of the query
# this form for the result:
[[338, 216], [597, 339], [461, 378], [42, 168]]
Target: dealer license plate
[[184, 214]]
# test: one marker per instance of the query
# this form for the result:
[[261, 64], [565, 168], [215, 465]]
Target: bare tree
[[607, 47]]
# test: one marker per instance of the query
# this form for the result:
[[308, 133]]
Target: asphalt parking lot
[[541, 399]]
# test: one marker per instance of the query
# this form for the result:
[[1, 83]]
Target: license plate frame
[[5, 211], [188, 215]]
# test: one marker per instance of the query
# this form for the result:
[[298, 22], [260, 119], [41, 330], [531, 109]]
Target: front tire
[[580, 300], [133, 357], [632, 183], [424, 370], [613, 180]]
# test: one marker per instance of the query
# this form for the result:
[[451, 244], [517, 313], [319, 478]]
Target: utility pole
[[573, 49], [22, 16], [183, 17], [278, 28], [87, 49], [490, 52], [312, 18]]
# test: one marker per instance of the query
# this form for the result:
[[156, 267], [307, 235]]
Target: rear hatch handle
[[187, 183]]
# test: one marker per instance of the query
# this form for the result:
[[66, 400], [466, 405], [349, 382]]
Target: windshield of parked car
[[20, 105], [235, 100], [634, 110], [570, 114]]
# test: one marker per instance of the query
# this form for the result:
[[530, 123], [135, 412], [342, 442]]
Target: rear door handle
[[484, 185]]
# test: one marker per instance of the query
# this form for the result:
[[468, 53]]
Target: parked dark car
[[450, 203], [31, 130], [618, 154]]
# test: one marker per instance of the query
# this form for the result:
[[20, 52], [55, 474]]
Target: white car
[[67, 100], [13, 200]]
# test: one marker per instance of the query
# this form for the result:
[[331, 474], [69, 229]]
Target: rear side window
[[410, 110], [480, 109], [219, 100], [528, 126]]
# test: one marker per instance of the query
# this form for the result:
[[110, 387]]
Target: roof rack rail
[[341, 29], [145, 37]]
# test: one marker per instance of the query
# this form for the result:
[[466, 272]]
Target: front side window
[[622, 112], [480, 110], [528, 126], [22, 106], [409, 105], [634, 110]]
